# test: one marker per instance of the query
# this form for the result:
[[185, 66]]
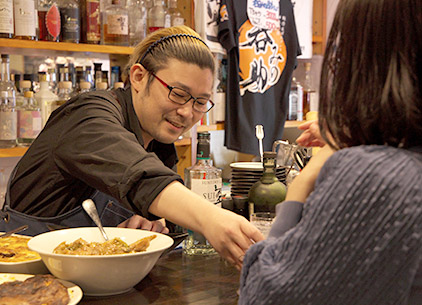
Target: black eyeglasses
[[181, 97]]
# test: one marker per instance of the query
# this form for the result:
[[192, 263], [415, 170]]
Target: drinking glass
[[263, 221]]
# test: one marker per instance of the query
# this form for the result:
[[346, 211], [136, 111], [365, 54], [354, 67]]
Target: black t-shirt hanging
[[261, 58]]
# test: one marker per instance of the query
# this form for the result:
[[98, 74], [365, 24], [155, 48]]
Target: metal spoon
[[89, 207], [259, 132]]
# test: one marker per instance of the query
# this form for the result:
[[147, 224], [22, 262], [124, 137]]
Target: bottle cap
[[28, 94], [85, 85], [65, 85], [119, 85], [102, 86], [42, 78], [25, 84]]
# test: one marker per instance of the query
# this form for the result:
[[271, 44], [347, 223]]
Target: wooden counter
[[181, 279]]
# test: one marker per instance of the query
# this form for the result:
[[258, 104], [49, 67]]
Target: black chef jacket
[[93, 142]]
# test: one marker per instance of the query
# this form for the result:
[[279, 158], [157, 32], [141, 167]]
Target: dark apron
[[110, 211]]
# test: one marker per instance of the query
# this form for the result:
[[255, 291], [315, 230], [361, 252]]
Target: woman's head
[[179, 42], [371, 78]]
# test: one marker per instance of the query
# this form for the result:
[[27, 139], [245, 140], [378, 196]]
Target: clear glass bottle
[[29, 120], [116, 24], [70, 21], [49, 20], [46, 99], [137, 21], [309, 92], [115, 75], [266, 193], [91, 21], [8, 115], [295, 101], [98, 74], [6, 19], [24, 86], [158, 16], [176, 17], [206, 180], [88, 75], [52, 79], [65, 92], [25, 27]]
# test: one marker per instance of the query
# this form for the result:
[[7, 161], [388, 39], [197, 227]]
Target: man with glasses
[[116, 147]]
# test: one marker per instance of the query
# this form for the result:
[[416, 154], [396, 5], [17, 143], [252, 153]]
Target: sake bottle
[[266, 193]]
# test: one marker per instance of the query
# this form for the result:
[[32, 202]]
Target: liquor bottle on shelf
[[49, 20], [8, 115], [88, 75], [46, 99], [25, 19], [91, 22], [6, 19], [52, 79], [158, 16], [29, 120], [80, 76], [24, 86], [176, 17], [206, 180], [114, 76], [65, 91], [137, 21], [266, 193], [98, 74], [104, 77], [309, 92], [64, 75], [295, 101], [70, 21], [116, 24]]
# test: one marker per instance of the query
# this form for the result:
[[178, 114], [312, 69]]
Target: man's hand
[[139, 222]]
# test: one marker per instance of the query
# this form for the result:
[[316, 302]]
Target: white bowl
[[33, 266], [100, 275]]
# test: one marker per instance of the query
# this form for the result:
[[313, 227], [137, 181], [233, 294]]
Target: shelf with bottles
[[17, 46]]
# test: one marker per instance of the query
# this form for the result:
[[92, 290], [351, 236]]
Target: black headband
[[162, 39]]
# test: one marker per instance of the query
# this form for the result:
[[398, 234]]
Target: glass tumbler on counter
[[263, 221]]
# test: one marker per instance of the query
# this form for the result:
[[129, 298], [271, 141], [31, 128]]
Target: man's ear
[[138, 75]]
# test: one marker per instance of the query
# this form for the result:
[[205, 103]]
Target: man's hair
[[179, 42], [370, 89]]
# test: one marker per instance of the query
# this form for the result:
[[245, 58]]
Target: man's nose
[[186, 110]]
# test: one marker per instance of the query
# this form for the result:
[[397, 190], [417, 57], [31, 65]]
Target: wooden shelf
[[12, 152], [16, 46]]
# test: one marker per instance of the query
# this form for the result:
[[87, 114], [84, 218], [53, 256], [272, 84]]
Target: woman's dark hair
[[370, 89]]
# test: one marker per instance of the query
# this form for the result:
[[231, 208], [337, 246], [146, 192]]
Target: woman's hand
[[303, 184], [311, 137], [139, 222]]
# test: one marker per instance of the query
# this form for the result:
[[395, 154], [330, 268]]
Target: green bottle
[[268, 191]]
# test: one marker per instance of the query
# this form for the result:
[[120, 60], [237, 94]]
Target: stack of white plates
[[245, 174]]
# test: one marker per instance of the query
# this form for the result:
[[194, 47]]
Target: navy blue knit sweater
[[358, 240]]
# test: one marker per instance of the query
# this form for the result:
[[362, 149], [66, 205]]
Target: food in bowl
[[39, 289], [16, 257], [15, 249], [109, 247], [100, 275]]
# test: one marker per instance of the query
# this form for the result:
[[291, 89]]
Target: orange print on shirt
[[262, 58]]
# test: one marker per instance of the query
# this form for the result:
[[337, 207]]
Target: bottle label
[[24, 17], [209, 189], [154, 28], [70, 24], [52, 21], [178, 21], [93, 32], [29, 124], [117, 24], [6, 16], [8, 125]]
